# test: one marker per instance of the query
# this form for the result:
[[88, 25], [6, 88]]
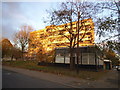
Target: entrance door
[[107, 64]]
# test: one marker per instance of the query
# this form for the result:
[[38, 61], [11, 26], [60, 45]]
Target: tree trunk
[[72, 60], [96, 62], [23, 53], [78, 44], [11, 57], [64, 56]]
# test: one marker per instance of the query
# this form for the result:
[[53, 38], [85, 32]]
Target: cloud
[[12, 18], [8, 18], [16, 14]]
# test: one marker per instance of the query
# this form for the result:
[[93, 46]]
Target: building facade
[[51, 37], [88, 55]]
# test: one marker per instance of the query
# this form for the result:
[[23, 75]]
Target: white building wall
[[67, 59], [84, 58], [59, 59], [87, 58], [101, 62], [91, 58]]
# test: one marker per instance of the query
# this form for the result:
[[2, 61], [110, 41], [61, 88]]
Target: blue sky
[[16, 14]]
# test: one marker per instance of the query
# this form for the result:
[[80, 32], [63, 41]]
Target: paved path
[[16, 80], [110, 82]]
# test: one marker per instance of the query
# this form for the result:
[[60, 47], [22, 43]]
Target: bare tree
[[111, 22], [22, 37], [110, 25], [67, 13]]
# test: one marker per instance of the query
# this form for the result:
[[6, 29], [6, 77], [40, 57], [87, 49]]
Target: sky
[[16, 14]]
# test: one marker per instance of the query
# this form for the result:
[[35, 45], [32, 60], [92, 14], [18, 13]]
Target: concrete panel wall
[[59, 59], [67, 59], [92, 58], [101, 62], [84, 58], [87, 58]]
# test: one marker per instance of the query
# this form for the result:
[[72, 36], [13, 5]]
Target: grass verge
[[32, 65]]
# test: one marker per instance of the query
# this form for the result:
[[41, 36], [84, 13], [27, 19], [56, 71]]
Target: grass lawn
[[32, 65]]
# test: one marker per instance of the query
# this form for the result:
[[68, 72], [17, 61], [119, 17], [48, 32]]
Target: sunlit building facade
[[53, 36]]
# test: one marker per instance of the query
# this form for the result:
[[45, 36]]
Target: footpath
[[109, 81]]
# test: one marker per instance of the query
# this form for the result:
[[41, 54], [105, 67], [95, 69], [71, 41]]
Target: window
[[88, 33], [33, 45], [57, 44], [60, 33]]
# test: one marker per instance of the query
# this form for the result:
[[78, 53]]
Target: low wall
[[88, 67]]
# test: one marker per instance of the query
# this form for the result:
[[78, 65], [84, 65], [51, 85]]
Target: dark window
[[33, 46], [60, 33], [89, 33]]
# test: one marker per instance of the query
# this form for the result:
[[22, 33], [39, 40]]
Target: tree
[[114, 46], [6, 48], [66, 14], [110, 55], [106, 25], [110, 24], [22, 37], [114, 7], [16, 53], [41, 54]]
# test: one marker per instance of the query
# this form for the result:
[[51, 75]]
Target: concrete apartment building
[[50, 37]]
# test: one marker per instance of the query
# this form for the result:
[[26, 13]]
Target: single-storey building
[[88, 56]]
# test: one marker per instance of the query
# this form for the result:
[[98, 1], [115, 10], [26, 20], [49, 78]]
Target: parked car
[[118, 68]]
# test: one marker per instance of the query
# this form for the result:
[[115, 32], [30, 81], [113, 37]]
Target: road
[[12, 79], [22, 78]]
